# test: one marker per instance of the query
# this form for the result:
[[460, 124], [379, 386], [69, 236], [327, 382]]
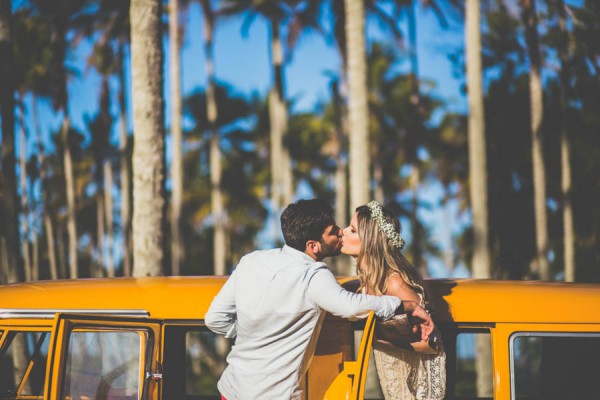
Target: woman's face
[[351, 241]]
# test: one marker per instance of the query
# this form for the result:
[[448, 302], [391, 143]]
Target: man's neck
[[313, 255]]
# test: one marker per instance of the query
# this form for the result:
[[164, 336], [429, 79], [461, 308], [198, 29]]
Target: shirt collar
[[297, 253]]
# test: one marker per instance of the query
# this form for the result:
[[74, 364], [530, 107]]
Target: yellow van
[[127, 338]]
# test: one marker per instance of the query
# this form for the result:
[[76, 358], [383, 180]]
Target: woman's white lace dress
[[408, 375]]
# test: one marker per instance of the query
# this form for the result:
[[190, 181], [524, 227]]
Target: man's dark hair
[[305, 220]]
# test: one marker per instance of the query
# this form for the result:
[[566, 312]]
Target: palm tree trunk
[[539, 174], [275, 117], [71, 207], [565, 154], [378, 179], [275, 141], [100, 246], [60, 26], [480, 262], [148, 153], [341, 265], [50, 244], [47, 221], [108, 215], [9, 215], [35, 251], [124, 169], [287, 172], [216, 193], [62, 257], [4, 265], [477, 147], [176, 162], [24, 199], [357, 111], [415, 179], [416, 227]]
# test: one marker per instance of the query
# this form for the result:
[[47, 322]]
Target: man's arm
[[326, 293], [221, 316]]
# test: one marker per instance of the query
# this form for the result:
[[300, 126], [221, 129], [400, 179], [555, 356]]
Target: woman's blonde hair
[[379, 258]]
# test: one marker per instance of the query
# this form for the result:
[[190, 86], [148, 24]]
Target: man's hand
[[425, 322], [421, 318]]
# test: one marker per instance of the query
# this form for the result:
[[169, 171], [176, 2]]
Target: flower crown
[[384, 226]]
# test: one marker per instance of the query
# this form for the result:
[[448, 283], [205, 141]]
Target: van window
[[103, 365], [194, 360], [555, 365], [473, 367], [23, 364]]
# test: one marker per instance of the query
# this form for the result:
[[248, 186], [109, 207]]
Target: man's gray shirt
[[272, 304]]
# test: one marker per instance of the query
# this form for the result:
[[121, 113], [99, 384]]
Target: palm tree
[[357, 103], [241, 193], [480, 263], [61, 15], [177, 248], [34, 75], [477, 147], [276, 13], [100, 128], [565, 150], [111, 21], [9, 235], [148, 152], [212, 113], [27, 266], [537, 109]]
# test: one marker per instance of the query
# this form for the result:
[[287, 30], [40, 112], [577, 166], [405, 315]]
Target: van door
[[350, 383], [100, 357]]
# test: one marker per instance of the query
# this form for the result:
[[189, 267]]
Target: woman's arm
[[398, 288]]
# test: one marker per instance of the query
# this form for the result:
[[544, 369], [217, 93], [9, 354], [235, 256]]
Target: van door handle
[[154, 376]]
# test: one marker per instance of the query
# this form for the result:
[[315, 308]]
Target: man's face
[[331, 241]]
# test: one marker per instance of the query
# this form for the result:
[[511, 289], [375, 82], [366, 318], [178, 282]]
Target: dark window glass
[[473, 367], [23, 364], [193, 363], [555, 366]]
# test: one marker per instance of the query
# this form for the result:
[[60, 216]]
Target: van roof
[[458, 300]]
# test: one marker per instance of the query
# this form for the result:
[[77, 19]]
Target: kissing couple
[[274, 301]]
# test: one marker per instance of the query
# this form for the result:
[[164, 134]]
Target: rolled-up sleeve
[[327, 294], [221, 316]]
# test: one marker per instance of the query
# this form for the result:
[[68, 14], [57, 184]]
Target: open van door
[[350, 383], [104, 357]]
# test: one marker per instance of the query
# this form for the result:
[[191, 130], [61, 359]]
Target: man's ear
[[313, 247]]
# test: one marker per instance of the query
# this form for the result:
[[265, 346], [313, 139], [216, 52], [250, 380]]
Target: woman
[[416, 369]]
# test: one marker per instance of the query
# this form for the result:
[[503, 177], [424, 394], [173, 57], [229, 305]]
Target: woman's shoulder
[[395, 283], [396, 286]]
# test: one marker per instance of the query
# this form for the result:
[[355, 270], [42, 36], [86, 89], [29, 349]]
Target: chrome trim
[[516, 335], [42, 313]]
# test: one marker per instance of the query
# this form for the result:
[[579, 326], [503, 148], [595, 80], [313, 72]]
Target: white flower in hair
[[384, 226]]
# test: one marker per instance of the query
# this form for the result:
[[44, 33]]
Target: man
[[273, 305]]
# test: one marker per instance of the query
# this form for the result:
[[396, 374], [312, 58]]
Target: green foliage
[[405, 132]]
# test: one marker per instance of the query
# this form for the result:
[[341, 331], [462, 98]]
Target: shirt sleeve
[[327, 294], [221, 316]]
